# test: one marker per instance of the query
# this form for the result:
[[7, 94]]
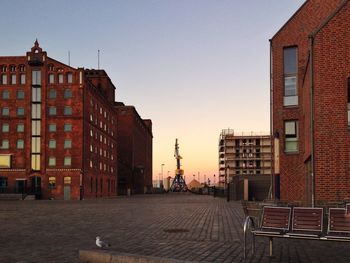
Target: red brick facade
[[319, 171], [134, 151], [64, 145]]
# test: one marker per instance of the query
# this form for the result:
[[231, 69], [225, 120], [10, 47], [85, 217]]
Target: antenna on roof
[[68, 58], [98, 59]]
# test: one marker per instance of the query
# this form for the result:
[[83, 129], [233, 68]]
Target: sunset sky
[[192, 66]]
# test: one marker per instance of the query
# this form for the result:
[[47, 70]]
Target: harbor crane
[[179, 184]]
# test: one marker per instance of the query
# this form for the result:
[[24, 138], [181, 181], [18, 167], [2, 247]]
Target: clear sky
[[192, 66]]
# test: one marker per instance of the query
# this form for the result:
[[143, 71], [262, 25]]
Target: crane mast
[[179, 184]]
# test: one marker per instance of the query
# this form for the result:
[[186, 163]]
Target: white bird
[[101, 244]]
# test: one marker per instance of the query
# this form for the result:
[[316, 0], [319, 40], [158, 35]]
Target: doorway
[[21, 185]]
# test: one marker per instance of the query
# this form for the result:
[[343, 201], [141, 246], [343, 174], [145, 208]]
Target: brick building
[[58, 134], [310, 77], [134, 151]]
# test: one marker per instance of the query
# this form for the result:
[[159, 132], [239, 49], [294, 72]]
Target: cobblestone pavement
[[179, 226]]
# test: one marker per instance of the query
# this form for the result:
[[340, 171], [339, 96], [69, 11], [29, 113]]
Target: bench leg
[[270, 246]]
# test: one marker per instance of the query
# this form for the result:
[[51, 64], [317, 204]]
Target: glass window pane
[[52, 94], [70, 78], [36, 127], [5, 144], [36, 94], [35, 144], [67, 93], [5, 111], [20, 94], [36, 111], [60, 78], [67, 161], [52, 162], [67, 110], [67, 144], [36, 162], [20, 127], [20, 144], [23, 79], [52, 110], [51, 78], [291, 146], [36, 77], [290, 86], [13, 79], [290, 128], [5, 95], [5, 127], [20, 111], [52, 144], [4, 79], [290, 60], [67, 127], [52, 127], [5, 161]]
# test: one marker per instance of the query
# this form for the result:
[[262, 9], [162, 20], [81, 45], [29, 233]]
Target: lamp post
[[162, 172], [227, 184]]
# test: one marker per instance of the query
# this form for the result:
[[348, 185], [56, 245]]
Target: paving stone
[[54, 231]]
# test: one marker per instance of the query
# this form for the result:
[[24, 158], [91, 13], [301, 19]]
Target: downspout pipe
[[272, 179], [312, 174]]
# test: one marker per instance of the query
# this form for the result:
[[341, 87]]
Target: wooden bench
[[307, 223], [339, 224], [275, 222]]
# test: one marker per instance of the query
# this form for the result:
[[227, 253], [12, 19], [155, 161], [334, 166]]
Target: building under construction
[[245, 164]]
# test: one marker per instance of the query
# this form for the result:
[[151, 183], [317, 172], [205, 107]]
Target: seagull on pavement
[[101, 244]]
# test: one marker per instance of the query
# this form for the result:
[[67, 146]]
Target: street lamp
[[227, 184], [162, 171]]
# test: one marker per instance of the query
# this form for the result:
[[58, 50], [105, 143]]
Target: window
[[52, 127], [5, 95], [52, 144], [13, 79], [290, 77], [60, 78], [70, 78], [52, 94], [20, 127], [5, 161], [67, 93], [67, 144], [36, 111], [67, 161], [20, 111], [291, 136], [67, 127], [20, 144], [52, 110], [36, 77], [3, 79], [12, 68], [52, 180], [5, 144], [36, 94], [52, 161], [22, 79], [67, 110], [3, 182], [5, 111], [20, 94], [5, 127], [51, 78]]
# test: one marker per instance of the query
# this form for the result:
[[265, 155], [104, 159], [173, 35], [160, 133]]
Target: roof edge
[[292, 17], [328, 19]]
